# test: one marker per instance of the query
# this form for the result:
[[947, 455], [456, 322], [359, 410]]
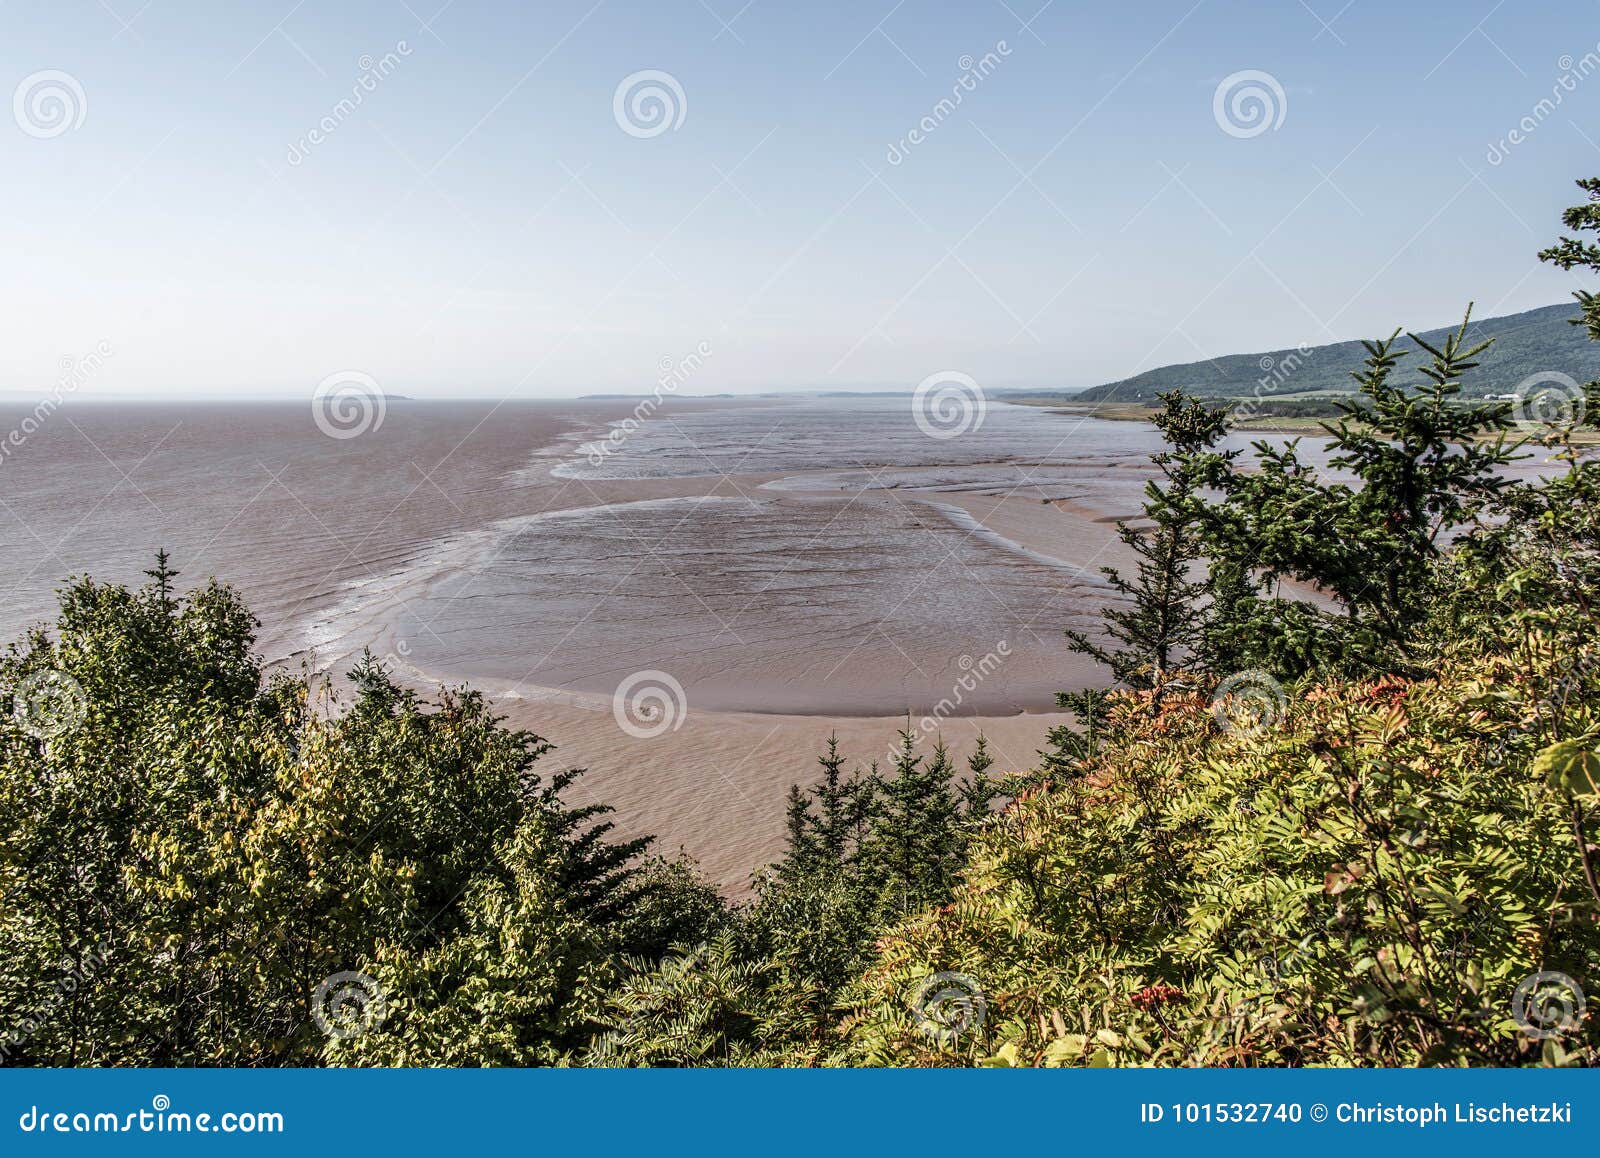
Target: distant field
[[1138, 412], [1263, 423]]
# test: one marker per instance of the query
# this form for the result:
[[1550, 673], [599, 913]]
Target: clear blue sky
[[481, 223]]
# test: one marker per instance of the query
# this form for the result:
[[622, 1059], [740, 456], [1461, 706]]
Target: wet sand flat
[[791, 567]]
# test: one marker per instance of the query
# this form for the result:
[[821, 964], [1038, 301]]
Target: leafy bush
[[1365, 880], [190, 853]]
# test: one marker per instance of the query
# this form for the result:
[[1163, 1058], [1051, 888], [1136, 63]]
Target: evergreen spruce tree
[[163, 574], [799, 821], [1571, 253], [979, 790], [980, 761], [916, 839], [1068, 746], [826, 824], [816, 908], [1425, 465], [1545, 551], [1162, 624]]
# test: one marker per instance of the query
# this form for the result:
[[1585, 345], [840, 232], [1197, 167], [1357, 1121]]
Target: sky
[[461, 199]]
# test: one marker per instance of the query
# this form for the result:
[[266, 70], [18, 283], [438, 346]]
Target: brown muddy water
[[751, 574]]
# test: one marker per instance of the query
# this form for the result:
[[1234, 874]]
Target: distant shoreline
[[1138, 412]]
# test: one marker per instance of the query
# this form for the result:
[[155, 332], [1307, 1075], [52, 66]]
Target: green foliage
[[518, 980], [220, 845], [706, 1006], [1570, 766], [1383, 870], [865, 849], [1524, 344], [827, 826], [1420, 467], [1574, 252], [1071, 745], [1367, 882], [915, 842], [1161, 623]]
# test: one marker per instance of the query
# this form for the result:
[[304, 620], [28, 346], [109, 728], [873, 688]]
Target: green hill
[[1533, 342]]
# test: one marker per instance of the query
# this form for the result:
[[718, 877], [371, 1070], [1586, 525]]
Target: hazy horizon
[[470, 394], [556, 203]]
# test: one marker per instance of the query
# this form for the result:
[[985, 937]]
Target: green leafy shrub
[[217, 848], [1366, 879]]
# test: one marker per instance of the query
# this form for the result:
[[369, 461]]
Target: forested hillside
[[1525, 344]]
